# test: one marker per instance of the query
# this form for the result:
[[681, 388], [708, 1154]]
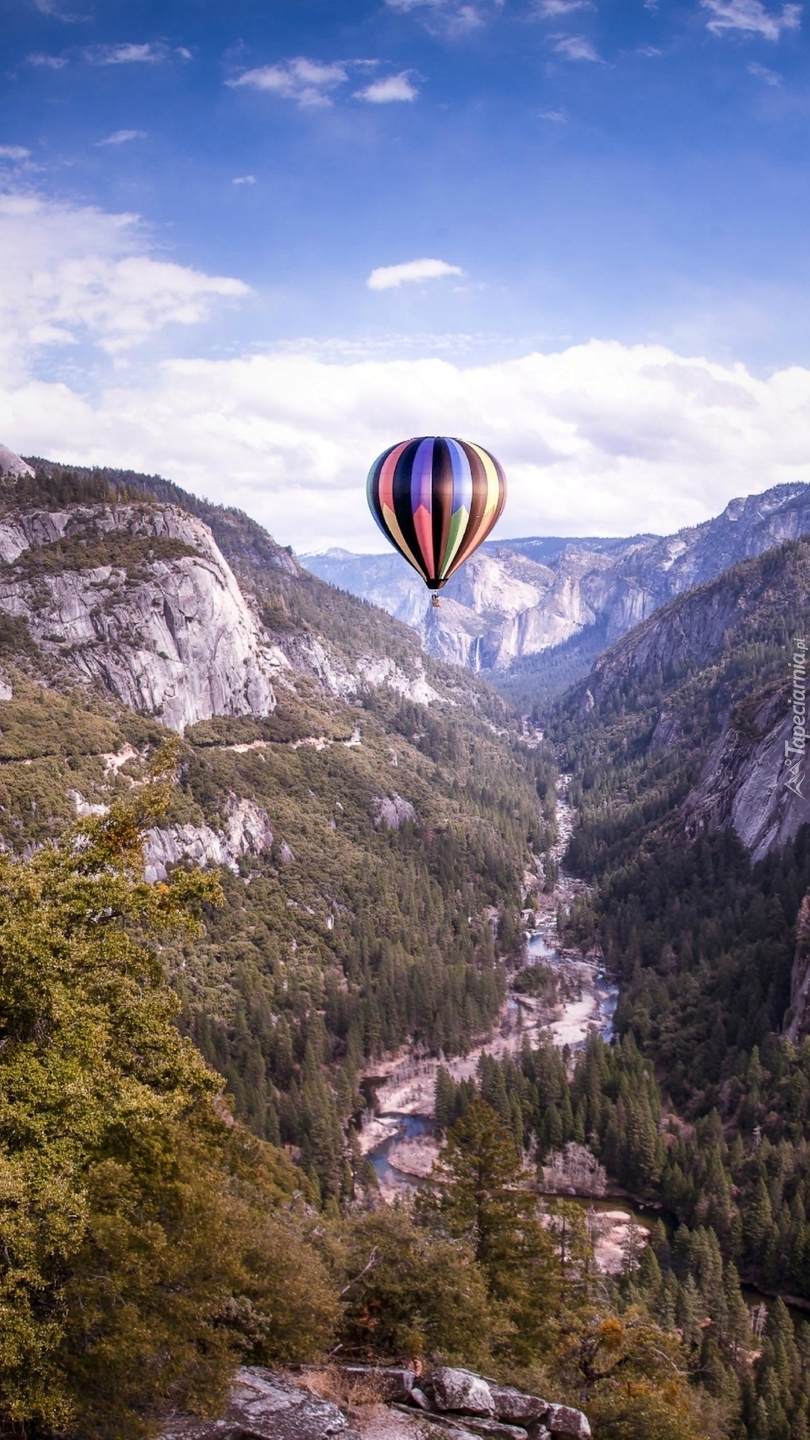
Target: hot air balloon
[[436, 499]]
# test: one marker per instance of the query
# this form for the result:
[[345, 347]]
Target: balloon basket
[[435, 602]]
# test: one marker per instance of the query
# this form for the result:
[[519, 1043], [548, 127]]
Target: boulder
[[419, 1399], [515, 1407], [461, 1390], [263, 1406], [493, 1429], [564, 1420]]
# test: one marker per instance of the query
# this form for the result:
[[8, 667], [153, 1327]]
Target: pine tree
[[758, 1220], [477, 1195], [445, 1099]]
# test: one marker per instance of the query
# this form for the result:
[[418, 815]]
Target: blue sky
[[624, 174]]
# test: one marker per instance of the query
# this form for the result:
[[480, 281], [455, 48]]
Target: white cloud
[[752, 17], [558, 117], [49, 62], [448, 16], [49, 7], [548, 9], [14, 152], [762, 72], [308, 82], [148, 54], [596, 439], [575, 47], [120, 137], [72, 275], [244, 180], [390, 277], [391, 88]]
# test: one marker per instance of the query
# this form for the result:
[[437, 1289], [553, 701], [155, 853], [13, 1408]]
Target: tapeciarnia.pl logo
[[796, 746]]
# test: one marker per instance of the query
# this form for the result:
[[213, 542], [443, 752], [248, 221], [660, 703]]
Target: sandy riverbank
[[415, 1156]]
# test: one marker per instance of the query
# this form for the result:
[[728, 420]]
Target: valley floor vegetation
[[151, 1242]]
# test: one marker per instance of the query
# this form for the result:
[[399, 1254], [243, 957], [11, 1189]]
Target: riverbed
[[397, 1128]]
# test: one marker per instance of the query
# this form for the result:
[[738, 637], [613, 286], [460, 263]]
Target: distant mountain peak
[[11, 464]]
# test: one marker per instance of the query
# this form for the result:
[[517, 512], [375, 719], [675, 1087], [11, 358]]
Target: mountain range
[[531, 615]]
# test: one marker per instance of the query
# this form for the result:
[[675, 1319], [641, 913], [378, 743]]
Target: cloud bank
[[597, 438], [74, 274]]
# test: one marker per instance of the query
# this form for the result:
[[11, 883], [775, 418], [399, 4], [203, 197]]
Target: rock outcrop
[[161, 624], [392, 811], [267, 1406], [11, 464], [462, 1390], [247, 831], [743, 784], [518, 599], [500, 1411]]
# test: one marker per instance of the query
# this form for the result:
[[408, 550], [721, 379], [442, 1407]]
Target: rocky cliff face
[[709, 676], [520, 599], [139, 600], [11, 464], [743, 781]]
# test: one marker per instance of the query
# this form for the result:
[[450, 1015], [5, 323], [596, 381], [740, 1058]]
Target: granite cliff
[[134, 597], [711, 675]]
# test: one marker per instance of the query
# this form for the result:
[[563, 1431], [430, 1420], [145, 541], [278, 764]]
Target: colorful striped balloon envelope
[[436, 499]]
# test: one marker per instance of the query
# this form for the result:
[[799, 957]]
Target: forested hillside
[[702, 932]]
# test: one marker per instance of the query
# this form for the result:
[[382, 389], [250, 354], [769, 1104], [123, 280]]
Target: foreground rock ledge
[[455, 1403], [264, 1406]]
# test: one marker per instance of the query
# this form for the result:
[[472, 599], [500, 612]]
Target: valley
[[582, 1000], [568, 937]]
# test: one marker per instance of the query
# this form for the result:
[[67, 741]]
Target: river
[[397, 1127]]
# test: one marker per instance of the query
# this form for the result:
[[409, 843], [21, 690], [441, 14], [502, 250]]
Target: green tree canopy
[[121, 1172]]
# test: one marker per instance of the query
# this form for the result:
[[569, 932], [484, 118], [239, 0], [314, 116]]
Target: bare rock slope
[[453, 1405], [139, 599]]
